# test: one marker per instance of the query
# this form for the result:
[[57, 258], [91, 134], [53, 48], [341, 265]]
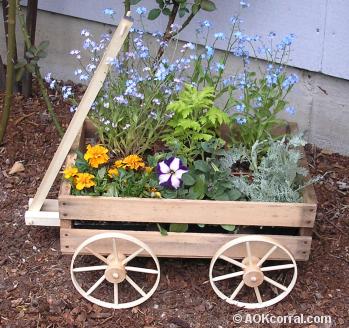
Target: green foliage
[[278, 177], [261, 104], [185, 7], [32, 55], [195, 119]]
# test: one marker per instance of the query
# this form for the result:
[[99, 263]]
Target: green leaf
[[111, 191], [178, 227], [30, 68], [101, 172], [189, 124], [19, 73], [182, 12], [195, 8], [44, 45], [187, 179], [202, 166], [162, 230], [42, 54], [208, 5], [199, 189], [154, 13], [228, 227], [29, 54], [202, 136], [134, 2], [20, 64], [166, 11], [220, 196], [234, 194]]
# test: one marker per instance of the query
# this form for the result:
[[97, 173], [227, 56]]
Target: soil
[[35, 285]]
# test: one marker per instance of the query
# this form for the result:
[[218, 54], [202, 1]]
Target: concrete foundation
[[322, 101]]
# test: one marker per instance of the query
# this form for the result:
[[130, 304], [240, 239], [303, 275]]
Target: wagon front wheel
[[249, 283], [112, 270]]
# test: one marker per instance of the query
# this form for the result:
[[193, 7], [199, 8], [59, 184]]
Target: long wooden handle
[[77, 121]]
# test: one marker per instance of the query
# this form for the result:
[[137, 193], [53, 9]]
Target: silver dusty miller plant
[[278, 177]]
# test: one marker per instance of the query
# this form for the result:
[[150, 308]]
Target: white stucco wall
[[322, 100], [321, 26]]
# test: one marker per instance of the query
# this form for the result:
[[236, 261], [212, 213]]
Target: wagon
[[114, 230]]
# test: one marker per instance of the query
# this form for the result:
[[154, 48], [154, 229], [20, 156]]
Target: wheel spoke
[[278, 267], [90, 268], [227, 276], [248, 250], [264, 258], [115, 253], [101, 257], [116, 293], [232, 261], [275, 283], [135, 286], [96, 284], [132, 256], [144, 270], [236, 291], [258, 294]]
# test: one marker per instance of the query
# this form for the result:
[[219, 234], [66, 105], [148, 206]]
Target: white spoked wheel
[[114, 269], [251, 273]]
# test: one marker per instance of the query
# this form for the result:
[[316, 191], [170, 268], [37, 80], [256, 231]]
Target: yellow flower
[[96, 155], [84, 180], [119, 164], [133, 162], [70, 172], [148, 169], [156, 194], [113, 172]]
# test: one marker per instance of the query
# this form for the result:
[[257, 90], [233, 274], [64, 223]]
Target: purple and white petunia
[[170, 172]]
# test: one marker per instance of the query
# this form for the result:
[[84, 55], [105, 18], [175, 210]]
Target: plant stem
[[32, 10], [168, 34], [5, 6], [44, 94], [42, 86], [2, 76], [11, 47]]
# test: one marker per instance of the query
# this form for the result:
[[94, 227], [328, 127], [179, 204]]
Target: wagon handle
[[77, 121]]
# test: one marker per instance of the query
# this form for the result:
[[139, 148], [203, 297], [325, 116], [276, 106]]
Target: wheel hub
[[115, 272], [253, 276]]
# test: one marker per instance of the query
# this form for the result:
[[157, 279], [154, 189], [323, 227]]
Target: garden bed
[[300, 216]]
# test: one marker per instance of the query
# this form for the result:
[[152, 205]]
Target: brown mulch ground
[[35, 285]]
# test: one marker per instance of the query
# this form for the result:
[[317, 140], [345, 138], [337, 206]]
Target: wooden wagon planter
[[116, 248]]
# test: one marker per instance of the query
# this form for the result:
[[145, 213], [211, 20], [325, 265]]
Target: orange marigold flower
[[84, 180], [119, 164], [70, 172], [113, 172], [133, 162], [96, 155]]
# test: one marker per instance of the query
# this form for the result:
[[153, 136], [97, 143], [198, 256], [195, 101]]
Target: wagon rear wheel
[[251, 274], [113, 270]]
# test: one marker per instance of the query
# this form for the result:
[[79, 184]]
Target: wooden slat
[[185, 245], [48, 216], [186, 211], [81, 113]]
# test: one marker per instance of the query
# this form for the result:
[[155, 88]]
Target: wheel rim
[[252, 273], [115, 270]]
